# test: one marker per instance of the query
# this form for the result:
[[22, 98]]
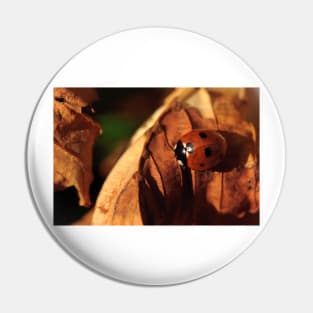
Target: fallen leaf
[[76, 98], [147, 185], [124, 175], [74, 136]]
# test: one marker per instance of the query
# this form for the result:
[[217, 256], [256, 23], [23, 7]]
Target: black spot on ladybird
[[208, 152], [203, 135], [201, 164]]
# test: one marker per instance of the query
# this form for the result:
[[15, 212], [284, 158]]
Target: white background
[[273, 274]]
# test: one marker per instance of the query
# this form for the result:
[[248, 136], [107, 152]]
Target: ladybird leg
[[181, 163]]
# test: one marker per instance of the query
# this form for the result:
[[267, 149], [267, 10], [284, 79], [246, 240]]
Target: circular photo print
[[155, 156]]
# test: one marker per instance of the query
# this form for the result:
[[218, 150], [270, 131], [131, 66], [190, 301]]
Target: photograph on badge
[[156, 156]]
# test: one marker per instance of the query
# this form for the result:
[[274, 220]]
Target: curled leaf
[[76, 98], [111, 201], [147, 185], [74, 136]]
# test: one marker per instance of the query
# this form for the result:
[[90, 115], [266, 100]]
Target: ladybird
[[200, 149]]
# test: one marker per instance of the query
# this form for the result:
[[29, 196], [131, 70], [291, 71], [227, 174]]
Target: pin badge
[[155, 156]]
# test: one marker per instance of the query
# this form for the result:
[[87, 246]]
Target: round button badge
[[155, 156]]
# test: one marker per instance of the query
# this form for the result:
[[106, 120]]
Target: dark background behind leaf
[[119, 111]]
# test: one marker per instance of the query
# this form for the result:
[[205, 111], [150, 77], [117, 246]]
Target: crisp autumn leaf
[[74, 136], [147, 185], [76, 98]]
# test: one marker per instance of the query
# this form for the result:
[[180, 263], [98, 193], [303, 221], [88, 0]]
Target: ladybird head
[[180, 153]]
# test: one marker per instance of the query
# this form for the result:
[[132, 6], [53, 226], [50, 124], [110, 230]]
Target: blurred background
[[119, 112]]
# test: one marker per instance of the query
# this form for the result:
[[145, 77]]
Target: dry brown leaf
[[76, 98], [74, 136], [124, 174], [147, 186]]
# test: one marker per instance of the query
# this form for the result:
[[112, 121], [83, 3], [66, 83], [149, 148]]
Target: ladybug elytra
[[200, 149]]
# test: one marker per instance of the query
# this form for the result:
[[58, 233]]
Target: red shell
[[204, 149]]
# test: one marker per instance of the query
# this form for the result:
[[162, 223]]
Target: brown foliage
[[147, 186], [74, 136]]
